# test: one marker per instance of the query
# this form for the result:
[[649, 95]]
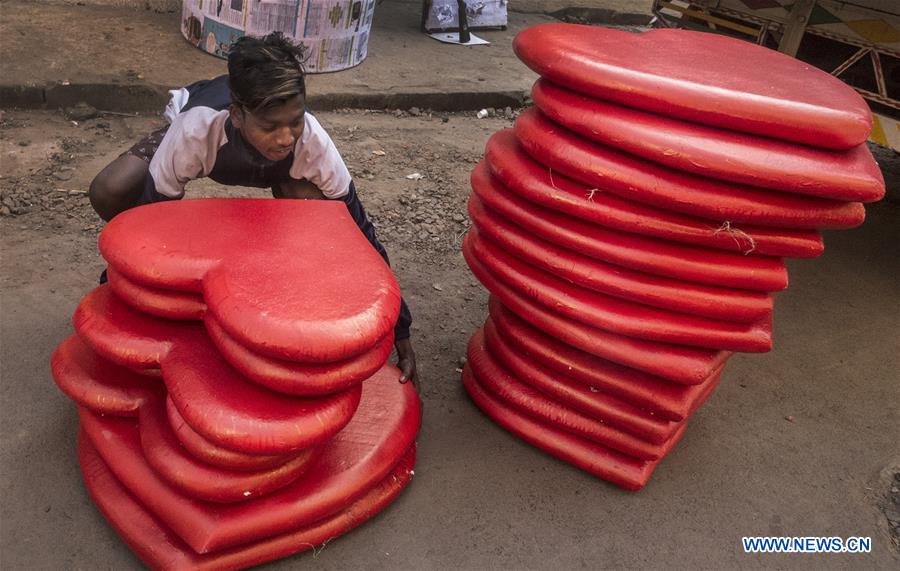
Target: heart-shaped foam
[[98, 384], [637, 179], [160, 548], [218, 402], [665, 399], [707, 151], [692, 76], [609, 313], [533, 181], [196, 479], [165, 303], [354, 462], [524, 398], [605, 463], [728, 304], [650, 255], [589, 401], [215, 455], [291, 279]]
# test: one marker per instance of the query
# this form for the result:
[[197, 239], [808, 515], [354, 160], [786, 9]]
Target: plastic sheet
[[247, 268], [533, 181], [718, 153], [641, 180], [691, 75]]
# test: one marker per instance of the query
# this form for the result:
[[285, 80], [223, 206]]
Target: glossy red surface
[[691, 75], [215, 455], [638, 179], [718, 153], [728, 304], [650, 255], [98, 384], [197, 479], [612, 314], [605, 463], [245, 257], [667, 400], [536, 183], [524, 398], [217, 401], [355, 461], [592, 402], [161, 548], [165, 303]]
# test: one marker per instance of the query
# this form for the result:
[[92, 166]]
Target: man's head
[[268, 92]]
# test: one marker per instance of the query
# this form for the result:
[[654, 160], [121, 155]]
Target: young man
[[249, 128]]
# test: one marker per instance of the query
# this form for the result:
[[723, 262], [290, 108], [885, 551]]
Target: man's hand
[[406, 362]]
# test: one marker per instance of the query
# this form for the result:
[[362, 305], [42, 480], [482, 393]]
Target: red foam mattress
[[718, 153], [638, 179], [291, 279], [356, 460], [692, 76], [533, 181]]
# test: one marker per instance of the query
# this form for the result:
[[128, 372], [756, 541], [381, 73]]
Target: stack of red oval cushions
[[232, 385], [631, 230]]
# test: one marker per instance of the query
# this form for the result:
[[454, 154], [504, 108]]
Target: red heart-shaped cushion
[[609, 313], [524, 398], [217, 401], [528, 178], [161, 548], [665, 399], [610, 170], [592, 402], [291, 279], [694, 76], [605, 463], [708, 151], [353, 463], [728, 304], [650, 255]]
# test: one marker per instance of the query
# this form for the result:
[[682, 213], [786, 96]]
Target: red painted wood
[[637, 179], [848, 175], [592, 402], [691, 76], [356, 460], [665, 399], [727, 304], [219, 403], [650, 255], [161, 548], [612, 314], [165, 303], [620, 469], [247, 257], [533, 181]]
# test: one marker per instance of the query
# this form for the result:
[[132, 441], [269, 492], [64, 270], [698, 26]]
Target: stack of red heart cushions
[[631, 230], [234, 397]]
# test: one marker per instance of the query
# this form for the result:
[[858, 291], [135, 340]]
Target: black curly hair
[[265, 72]]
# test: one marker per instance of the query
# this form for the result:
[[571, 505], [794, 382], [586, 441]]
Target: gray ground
[[799, 441]]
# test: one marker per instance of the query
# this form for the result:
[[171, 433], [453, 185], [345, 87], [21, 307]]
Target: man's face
[[272, 131]]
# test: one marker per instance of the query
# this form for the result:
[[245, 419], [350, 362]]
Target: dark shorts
[[147, 147]]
